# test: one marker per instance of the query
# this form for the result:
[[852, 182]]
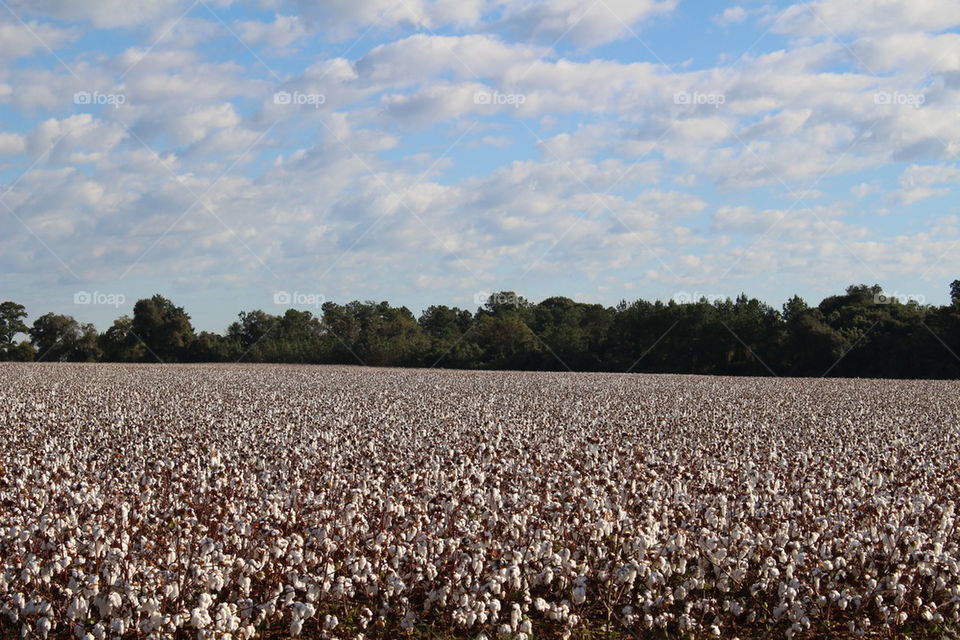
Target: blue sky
[[233, 154]]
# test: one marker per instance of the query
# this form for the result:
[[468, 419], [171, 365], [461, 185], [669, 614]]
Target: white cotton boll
[[150, 605], [200, 618], [515, 615], [366, 615], [43, 627], [579, 595], [158, 621], [215, 581], [330, 622], [77, 608], [226, 618], [115, 601], [408, 620], [296, 626]]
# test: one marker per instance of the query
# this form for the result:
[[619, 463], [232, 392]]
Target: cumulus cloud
[[731, 15], [580, 23], [461, 141], [19, 39], [921, 182], [828, 17], [101, 13], [345, 18], [11, 143], [281, 33]]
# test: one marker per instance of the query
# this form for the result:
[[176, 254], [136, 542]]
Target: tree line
[[861, 333]]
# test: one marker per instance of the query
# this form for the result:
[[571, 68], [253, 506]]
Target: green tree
[[119, 344], [388, 335], [504, 303], [212, 347], [163, 327], [574, 334], [249, 334], [21, 352], [11, 323], [341, 332], [60, 338], [507, 343], [451, 335], [297, 337]]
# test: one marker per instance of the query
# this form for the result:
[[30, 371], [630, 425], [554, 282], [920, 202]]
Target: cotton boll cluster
[[222, 501]]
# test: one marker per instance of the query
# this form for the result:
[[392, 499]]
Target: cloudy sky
[[228, 154]]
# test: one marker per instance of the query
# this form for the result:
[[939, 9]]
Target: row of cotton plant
[[223, 502]]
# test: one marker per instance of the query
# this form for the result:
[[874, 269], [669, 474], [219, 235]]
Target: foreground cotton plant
[[228, 502]]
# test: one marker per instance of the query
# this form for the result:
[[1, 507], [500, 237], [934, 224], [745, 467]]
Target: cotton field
[[264, 501]]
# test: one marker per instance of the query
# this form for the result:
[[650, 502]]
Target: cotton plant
[[224, 502]]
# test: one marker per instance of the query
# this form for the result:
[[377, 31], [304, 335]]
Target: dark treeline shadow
[[862, 333]]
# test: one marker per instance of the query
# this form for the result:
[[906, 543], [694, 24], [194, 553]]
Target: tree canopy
[[860, 332]]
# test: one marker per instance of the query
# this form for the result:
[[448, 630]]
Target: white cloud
[[615, 175], [11, 143], [18, 40], [921, 182], [78, 139], [828, 17], [281, 33], [102, 13], [862, 190], [731, 15], [196, 124], [346, 18], [421, 56], [580, 23]]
